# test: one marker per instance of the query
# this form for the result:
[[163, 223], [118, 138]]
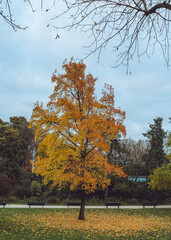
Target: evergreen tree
[[155, 155], [16, 147]]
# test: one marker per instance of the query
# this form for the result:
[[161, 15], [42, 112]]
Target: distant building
[[138, 179]]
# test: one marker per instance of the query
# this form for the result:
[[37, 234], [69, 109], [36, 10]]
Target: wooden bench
[[3, 203], [149, 204], [107, 204], [73, 204], [36, 204]]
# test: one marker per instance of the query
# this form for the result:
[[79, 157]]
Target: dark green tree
[[16, 150], [155, 156], [160, 179], [169, 144], [26, 140], [118, 154], [5, 185]]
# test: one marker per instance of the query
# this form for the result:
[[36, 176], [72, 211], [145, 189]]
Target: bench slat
[[3, 203], [36, 204], [73, 204], [113, 204], [149, 204]]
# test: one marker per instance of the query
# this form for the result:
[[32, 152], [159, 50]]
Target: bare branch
[[126, 23], [158, 6], [135, 27]]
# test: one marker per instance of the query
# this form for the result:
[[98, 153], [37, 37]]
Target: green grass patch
[[106, 224]]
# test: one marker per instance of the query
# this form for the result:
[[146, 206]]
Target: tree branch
[[158, 6]]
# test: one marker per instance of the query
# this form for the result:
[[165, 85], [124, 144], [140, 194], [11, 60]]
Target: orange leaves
[[118, 171], [76, 130]]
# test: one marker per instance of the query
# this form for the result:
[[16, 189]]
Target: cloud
[[29, 57]]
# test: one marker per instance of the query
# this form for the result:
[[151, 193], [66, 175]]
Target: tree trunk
[[82, 208], [106, 191]]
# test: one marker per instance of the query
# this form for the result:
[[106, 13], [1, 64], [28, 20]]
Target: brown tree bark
[[82, 208], [106, 192]]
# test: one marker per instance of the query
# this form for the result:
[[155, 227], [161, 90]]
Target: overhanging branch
[[158, 6]]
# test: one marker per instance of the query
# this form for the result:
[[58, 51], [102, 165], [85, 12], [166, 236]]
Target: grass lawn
[[100, 224]]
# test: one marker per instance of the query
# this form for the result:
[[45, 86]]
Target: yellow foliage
[[75, 131]]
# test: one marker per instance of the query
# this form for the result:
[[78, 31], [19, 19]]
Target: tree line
[[138, 158], [17, 149]]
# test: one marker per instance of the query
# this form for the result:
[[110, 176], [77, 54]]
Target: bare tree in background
[[136, 150], [124, 23], [129, 153]]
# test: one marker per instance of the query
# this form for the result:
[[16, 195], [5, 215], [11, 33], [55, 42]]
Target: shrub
[[94, 201], [132, 201], [36, 188], [53, 200], [22, 191], [114, 199]]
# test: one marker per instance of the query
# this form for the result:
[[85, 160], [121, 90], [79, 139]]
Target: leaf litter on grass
[[110, 224], [119, 223]]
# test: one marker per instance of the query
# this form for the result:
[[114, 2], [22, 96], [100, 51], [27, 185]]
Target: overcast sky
[[28, 58]]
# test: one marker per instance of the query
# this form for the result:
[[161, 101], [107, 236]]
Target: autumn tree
[[75, 130]]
